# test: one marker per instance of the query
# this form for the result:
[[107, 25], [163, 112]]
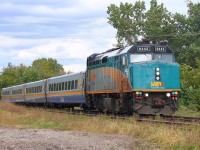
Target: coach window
[[59, 86], [69, 85], [49, 87], [76, 84], [63, 86], [72, 86], [54, 87], [66, 85], [39, 89]]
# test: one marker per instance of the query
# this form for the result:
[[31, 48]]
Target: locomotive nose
[[155, 75], [159, 83]]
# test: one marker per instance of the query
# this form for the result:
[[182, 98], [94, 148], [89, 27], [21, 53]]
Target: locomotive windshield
[[164, 57], [140, 57], [148, 57]]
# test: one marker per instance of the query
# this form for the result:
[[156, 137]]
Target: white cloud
[[43, 10], [75, 67]]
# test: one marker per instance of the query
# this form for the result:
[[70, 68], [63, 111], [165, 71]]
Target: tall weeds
[[177, 137]]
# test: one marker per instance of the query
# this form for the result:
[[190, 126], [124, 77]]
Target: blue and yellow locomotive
[[142, 78]]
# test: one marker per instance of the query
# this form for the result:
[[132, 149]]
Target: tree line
[[133, 21], [38, 70]]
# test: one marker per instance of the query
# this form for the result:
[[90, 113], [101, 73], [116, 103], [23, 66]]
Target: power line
[[170, 35]]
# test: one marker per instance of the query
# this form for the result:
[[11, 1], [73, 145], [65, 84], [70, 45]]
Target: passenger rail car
[[64, 91], [142, 78]]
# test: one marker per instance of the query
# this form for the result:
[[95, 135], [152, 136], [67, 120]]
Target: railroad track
[[171, 120]]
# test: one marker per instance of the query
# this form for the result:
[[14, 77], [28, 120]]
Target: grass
[[183, 111], [166, 136]]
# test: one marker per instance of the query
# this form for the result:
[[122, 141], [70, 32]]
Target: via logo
[[157, 83]]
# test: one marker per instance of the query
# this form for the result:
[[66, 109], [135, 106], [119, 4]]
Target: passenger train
[[142, 78]]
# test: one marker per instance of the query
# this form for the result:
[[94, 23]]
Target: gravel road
[[45, 139]]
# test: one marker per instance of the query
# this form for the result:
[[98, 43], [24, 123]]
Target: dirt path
[[44, 139]]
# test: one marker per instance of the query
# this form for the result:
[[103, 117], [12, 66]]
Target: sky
[[66, 30]]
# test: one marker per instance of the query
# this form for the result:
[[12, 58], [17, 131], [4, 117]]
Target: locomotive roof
[[137, 48]]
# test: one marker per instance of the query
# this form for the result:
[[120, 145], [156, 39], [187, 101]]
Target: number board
[[161, 49], [143, 49]]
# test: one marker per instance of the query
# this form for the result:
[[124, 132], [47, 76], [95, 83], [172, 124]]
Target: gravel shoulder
[[46, 139]]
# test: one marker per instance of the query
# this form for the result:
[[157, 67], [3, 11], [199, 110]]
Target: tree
[[132, 21], [158, 23], [190, 87], [187, 42], [128, 19], [9, 75], [189, 55], [47, 68]]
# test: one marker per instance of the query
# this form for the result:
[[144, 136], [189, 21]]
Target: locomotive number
[[160, 49], [143, 48]]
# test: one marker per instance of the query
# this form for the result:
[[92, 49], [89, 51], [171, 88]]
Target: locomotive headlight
[[157, 73], [176, 93], [157, 69], [168, 94], [146, 94]]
